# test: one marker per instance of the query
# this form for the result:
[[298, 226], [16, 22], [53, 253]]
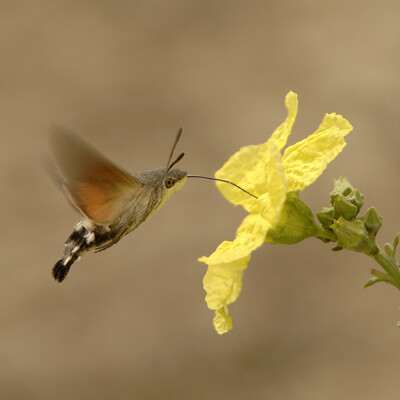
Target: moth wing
[[95, 186]]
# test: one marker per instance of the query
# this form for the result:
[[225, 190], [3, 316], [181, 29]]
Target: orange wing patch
[[102, 200], [100, 190]]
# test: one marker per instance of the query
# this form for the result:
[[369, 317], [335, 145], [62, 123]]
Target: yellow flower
[[263, 171]]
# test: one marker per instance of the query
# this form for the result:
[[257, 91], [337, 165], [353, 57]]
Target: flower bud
[[341, 186], [342, 207], [356, 198], [352, 235], [325, 217], [372, 221]]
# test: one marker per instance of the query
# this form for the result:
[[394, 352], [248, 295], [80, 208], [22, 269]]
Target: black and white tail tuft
[[61, 268], [74, 247], [81, 240]]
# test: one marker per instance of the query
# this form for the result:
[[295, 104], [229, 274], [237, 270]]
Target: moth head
[[174, 179]]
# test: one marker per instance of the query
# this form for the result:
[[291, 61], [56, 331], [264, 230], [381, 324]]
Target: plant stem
[[389, 264], [325, 234]]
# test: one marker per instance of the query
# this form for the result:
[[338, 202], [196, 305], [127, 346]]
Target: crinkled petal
[[283, 131], [222, 321], [223, 280], [305, 161], [247, 167], [249, 236], [270, 204]]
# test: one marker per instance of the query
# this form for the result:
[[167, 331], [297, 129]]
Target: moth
[[111, 201]]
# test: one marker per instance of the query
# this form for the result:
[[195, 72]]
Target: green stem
[[325, 234], [389, 264]]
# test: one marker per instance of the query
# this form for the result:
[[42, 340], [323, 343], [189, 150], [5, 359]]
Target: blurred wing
[[95, 186]]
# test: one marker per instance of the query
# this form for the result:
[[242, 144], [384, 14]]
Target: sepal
[[296, 222]]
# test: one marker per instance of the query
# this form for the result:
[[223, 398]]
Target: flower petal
[[223, 280], [283, 131], [270, 204], [247, 167], [222, 321], [305, 161], [249, 236]]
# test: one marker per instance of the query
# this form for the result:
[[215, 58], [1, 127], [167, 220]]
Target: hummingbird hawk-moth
[[111, 201]]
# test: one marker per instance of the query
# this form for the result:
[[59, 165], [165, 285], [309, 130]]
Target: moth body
[[111, 201]]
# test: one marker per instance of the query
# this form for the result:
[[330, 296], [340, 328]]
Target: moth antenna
[[179, 158], [178, 136], [222, 180]]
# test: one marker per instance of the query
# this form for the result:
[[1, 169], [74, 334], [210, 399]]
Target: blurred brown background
[[131, 322]]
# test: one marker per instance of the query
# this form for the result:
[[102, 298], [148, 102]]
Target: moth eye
[[169, 182]]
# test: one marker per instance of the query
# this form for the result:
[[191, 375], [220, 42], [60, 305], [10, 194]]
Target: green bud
[[325, 217], [352, 235], [396, 241], [341, 186], [296, 222], [372, 221], [356, 198], [342, 207], [390, 248]]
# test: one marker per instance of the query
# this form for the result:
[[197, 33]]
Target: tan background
[[131, 322]]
